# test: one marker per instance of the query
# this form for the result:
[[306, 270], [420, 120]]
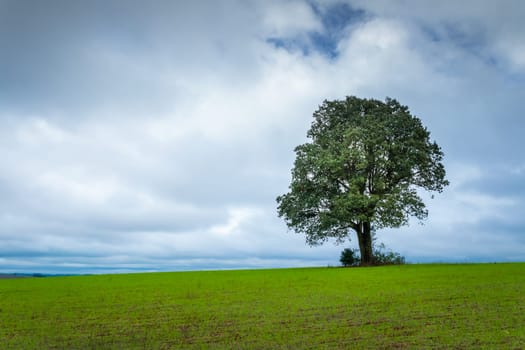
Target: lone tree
[[360, 172]]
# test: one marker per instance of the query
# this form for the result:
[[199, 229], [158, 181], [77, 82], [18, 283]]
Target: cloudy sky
[[155, 135]]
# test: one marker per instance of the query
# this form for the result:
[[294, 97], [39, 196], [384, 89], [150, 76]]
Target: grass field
[[411, 306]]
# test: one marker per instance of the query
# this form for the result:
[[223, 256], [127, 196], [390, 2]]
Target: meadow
[[473, 306]]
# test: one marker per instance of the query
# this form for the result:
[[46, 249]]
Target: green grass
[[412, 306]]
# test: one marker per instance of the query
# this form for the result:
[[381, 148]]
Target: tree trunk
[[364, 236]]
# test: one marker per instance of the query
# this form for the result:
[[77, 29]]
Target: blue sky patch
[[335, 19]]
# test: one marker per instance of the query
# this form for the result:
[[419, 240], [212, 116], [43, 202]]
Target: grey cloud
[[78, 57]]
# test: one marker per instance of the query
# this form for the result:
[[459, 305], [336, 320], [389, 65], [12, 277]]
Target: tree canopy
[[360, 171]]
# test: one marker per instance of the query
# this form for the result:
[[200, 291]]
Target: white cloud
[[372, 48], [289, 19], [493, 29], [513, 50], [236, 217], [40, 131]]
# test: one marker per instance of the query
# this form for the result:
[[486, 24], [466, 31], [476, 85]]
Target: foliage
[[404, 307], [360, 172], [387, 257], [381, 256], [349, 257]]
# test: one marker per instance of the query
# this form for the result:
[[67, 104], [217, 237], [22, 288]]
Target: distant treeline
[[27, 275]]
